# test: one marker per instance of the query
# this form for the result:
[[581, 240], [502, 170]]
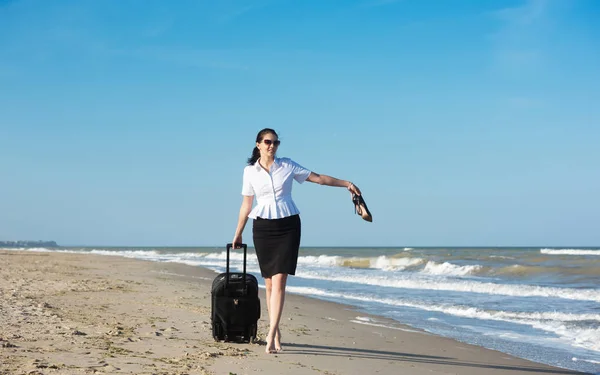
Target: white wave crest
[[570, 252], [457, 310], [517, 290], [588, 338], [233, 256], [449, 269], [138, 254], [39, 249], [575, 359], [386, 263], [382, 262], [321, 260]]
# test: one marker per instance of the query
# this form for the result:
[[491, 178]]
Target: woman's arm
[[323, 179], [245, 209]]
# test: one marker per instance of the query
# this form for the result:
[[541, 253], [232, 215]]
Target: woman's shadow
[[336, 351]]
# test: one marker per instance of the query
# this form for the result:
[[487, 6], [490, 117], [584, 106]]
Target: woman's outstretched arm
[[323, 179]]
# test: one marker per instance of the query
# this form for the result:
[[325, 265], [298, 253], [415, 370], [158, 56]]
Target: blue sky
[[465, 123]]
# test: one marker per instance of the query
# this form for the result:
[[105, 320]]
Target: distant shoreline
[[29, 244]]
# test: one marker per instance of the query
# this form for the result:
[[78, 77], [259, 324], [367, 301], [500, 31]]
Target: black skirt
[[276, 242]]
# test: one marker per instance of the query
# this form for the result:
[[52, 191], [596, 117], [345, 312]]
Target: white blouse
[[273, 191]]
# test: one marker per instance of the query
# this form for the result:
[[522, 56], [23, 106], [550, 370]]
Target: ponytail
[[255, 155]]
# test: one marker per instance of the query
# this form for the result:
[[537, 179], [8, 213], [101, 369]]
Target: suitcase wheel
[[251, 334], [217, 331]]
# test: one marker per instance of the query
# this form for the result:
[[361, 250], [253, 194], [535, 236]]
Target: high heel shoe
[[360, 207]]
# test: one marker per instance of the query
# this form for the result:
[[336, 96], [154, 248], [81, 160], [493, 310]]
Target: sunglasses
[[269, 142]]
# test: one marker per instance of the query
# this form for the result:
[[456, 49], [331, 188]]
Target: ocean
[[542, 304]]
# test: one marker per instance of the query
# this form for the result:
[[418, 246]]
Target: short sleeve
[[300, 173], [246, 185]]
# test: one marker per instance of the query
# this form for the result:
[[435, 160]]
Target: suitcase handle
[[229, 247]]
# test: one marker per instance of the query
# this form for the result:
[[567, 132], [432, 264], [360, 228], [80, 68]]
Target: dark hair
[[259, 137]]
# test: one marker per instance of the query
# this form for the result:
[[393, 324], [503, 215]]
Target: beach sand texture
[[66, 313]]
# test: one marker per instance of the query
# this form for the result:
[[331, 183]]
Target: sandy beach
[[88, 314]]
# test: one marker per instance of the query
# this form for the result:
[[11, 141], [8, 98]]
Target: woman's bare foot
[[278, 347], [270, 348]]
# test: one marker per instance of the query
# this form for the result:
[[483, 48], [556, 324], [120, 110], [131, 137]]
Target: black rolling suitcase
[[235, 304]]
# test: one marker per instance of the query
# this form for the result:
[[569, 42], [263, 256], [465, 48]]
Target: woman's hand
[[237, 242], [354, 189]]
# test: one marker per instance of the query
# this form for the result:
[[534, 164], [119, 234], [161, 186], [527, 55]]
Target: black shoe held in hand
[[360, 207]]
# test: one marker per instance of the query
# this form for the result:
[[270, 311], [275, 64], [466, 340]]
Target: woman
[[276, 220]]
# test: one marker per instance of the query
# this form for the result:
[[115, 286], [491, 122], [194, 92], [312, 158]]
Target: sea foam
[[570, 252], [517, 290]]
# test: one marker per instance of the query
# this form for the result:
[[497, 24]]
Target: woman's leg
[[269, 287], [275, 299]]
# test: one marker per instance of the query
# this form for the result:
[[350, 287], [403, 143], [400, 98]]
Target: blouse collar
[[258, 167]]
